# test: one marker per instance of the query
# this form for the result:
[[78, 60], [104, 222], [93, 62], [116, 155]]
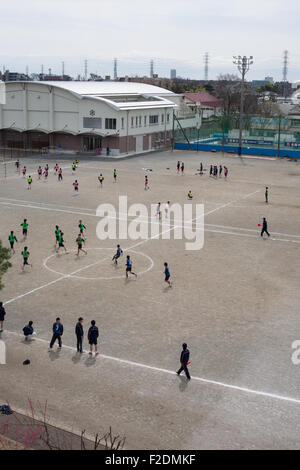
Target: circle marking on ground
[[139, 273]]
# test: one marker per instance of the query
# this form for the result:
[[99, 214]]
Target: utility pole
[[151, 69], [279, 135], [85, 69], [243, 65], [63, 69], [115, 69], [285, 71], [206, 62]]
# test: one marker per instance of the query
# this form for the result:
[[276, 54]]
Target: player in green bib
[[101, 179], [82, 227], [12, 239], [61, 242], [267, 194], [29, 180], [80, 241], [115, 175], [74, 166], [57, 234], [25, 254], [24, 226]]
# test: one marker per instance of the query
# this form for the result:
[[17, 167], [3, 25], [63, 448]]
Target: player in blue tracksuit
[[129, 267], [167, 275], [58, 331], [118, 254]]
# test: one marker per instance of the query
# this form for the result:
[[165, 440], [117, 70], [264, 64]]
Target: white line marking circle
[[151, 264]]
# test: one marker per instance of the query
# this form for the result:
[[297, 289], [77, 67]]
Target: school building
[[124, 117]]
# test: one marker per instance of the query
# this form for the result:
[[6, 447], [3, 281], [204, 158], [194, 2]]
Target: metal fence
[[277, 133], [11, 153]]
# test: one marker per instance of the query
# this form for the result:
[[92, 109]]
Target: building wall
[[49, 116]]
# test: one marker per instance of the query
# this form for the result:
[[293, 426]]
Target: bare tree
[[32, 433], [228, 89]]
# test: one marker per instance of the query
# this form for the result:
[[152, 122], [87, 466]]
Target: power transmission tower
[[151, 69], [206, 62], [115, 69], [85, 69], [285, 71], [63, 69]]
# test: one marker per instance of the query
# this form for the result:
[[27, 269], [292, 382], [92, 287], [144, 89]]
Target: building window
[[140, 121], [168, 118], [153, 120], [122, 123], [145, 121], [110, 123], [132, 122], [92, 123], [162, 118]]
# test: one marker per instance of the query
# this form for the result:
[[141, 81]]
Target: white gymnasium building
[[125, 117]]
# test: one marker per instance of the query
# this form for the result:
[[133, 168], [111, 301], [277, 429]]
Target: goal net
[[9, 169]]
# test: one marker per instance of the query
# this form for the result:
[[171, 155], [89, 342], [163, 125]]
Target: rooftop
[[118, 95], [203, 98], [111, 88]]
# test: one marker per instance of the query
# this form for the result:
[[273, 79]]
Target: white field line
[[44, 206], [126, 249], [170, 372], [32, 173], [187, 224]]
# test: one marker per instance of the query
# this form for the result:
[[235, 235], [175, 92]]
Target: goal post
[[8, 169]]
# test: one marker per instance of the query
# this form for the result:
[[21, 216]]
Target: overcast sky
[[175, 34]]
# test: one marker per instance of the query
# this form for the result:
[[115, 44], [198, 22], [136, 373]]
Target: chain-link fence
[[11, 153], [271, 132]]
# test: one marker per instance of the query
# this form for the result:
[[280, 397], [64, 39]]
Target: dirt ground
[[235, 302]]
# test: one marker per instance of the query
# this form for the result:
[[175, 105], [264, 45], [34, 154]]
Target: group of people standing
[[58, 331], [216, 171], [180, 167]]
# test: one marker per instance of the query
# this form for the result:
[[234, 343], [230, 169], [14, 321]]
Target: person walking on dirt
[[184, 359], [264, 227]]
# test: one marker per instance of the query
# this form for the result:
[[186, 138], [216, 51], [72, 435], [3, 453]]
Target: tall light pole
[[243, 65]]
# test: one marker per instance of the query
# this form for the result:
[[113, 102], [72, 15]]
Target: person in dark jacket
[[265, 227], [184, 359], [93, 335], [79, 334], [58, 331], [28, 331], [2, 315]]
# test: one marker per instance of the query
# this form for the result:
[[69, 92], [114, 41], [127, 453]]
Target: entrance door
[[139, 143], [91, 143]]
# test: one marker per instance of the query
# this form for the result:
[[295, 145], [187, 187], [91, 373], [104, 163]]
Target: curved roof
[[109, 88]]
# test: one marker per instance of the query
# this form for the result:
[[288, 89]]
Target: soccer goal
[[9, 169]]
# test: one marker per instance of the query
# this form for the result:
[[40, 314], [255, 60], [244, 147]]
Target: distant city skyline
[[50, 32], [140, 67]]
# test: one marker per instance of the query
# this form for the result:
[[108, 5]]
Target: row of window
[[96, 123], [136, 121]]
